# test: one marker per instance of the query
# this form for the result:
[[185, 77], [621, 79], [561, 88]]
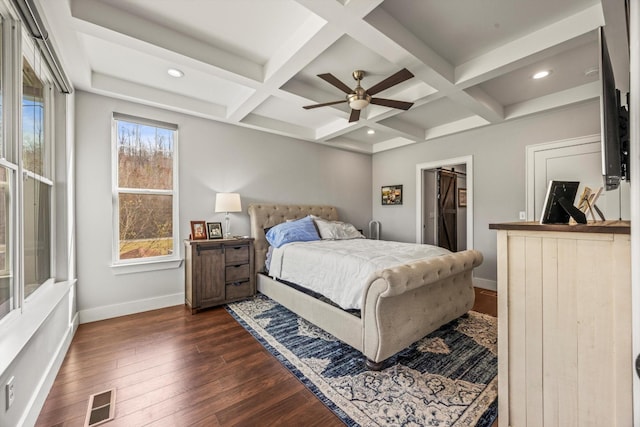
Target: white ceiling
[[254, 63]]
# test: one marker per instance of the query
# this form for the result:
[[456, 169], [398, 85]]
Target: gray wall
[[213, 157], [498, 172]]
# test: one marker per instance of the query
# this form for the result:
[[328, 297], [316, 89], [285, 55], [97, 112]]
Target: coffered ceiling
[[254, 63]]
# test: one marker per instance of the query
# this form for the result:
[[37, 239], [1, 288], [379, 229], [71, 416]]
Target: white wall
[[498, 172], [213, 157]]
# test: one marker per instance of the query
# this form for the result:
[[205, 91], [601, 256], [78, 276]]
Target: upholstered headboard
[[265, 216]]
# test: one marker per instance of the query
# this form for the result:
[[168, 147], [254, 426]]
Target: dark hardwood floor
[[170, 368]]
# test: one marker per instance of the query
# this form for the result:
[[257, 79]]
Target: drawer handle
[[239, 283], [238, 247]]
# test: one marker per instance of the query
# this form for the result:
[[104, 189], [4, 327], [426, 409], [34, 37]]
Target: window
[[36, 186], [26, 186], [144, 190]]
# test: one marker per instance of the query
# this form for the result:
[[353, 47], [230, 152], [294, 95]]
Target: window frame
[[18, 46], [29, 51], [135, 265]]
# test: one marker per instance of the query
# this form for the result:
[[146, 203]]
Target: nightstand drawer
[[234, 273], [238, 290], [237, 254]]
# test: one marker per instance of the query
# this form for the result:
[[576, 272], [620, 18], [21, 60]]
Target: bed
[[400, 305]]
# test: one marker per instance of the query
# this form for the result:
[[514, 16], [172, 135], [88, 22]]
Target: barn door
[[447, 212]]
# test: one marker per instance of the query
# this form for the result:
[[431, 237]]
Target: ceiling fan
[[359, 97]]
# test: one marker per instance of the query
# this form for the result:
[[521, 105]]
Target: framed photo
[[392, 195], [198, 230], [462, 197], [214, 230]]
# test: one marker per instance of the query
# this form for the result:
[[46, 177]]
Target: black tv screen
[[609, 124]]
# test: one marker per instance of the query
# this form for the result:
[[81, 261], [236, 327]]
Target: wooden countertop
[[613, 226]]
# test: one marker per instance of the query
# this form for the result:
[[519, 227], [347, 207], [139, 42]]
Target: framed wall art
[[392, 195], [462, 197]]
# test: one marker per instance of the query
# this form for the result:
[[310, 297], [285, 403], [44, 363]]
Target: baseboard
[[485, 284], [130, 307], [40, 396]]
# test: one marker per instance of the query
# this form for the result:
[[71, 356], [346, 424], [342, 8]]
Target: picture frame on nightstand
[[214, 230], [198, 230]]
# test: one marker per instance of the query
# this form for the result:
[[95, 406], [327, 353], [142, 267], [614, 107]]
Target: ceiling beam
[[401, 128], [124, 89], [458, 126], [527, 50], [303, 46], [110, 23], [574, 95]]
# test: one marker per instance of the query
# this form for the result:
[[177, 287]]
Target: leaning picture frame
[[391, 195], [198, 230], [214, 230]]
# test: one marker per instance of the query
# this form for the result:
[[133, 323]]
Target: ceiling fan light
[[358, 104]]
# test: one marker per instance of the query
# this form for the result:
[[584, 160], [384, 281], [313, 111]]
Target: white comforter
[[340, 269]]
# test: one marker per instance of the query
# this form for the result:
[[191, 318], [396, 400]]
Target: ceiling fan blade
[[393, 80], [355, 116], [331, 79], [392, 103], [307, 107]]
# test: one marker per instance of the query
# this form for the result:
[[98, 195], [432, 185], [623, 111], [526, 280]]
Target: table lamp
[[228, 202]]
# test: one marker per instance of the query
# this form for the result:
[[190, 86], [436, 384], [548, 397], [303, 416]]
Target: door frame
[[420, 168]]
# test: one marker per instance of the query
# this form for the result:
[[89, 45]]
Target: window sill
[[20, 326], [145, 266]]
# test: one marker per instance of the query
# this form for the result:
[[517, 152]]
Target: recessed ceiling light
[[174, 72], [371, 131], [541, 74]]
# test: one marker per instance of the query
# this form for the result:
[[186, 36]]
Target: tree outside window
[[145, 189]]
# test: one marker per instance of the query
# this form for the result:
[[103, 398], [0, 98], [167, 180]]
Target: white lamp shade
[[228, 202]]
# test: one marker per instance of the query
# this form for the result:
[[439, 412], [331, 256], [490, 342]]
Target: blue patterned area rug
[[448, 378]]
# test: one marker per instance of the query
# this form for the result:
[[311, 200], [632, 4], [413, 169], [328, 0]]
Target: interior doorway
[[444, 203]]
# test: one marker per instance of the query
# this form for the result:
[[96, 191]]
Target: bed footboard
[[406, 303]]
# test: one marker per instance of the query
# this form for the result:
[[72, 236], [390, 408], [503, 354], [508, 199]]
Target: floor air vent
[[102, 408]]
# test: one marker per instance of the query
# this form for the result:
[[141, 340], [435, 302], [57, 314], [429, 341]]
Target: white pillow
[[336, 230]]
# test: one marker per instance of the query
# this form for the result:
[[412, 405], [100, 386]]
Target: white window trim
[[43, 74], [16, 44], [141, 265]]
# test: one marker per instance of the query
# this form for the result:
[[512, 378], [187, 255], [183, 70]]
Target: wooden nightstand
[[218, 272]]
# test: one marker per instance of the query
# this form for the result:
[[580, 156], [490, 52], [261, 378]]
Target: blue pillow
[[302, 230]]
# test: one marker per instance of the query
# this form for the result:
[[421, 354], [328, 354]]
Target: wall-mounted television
[[613, 123]]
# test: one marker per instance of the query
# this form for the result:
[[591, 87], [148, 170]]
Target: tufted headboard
[[265, 216]]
